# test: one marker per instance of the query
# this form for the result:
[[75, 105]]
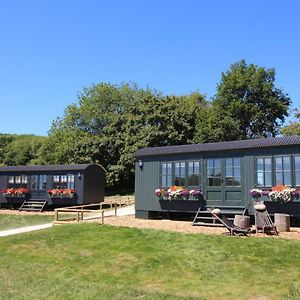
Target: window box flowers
[[280, 193], [61, 193], [178, 193], [15, 192]]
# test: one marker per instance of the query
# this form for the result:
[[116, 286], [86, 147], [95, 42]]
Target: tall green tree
[[21, 149], [110, 122], [247, 94]]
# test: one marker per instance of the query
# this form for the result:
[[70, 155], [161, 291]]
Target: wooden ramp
[[33, 205]]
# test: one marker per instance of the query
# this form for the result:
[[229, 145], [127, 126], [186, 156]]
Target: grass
[[88, 261], [14, 221]]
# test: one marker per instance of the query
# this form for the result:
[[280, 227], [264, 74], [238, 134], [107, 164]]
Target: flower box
[[14, 192], [279, 193], [178, 193], [61, 193]]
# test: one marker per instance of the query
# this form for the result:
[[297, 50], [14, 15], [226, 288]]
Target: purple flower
[[184, 192]]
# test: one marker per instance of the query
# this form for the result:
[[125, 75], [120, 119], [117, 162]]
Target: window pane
[[34, 180], [298, 178], [260, 165], [164, 181], [297, 163], [56, 178], [18, 179], [169, 168], [237, 181], [286, 163], [177, 170], [169, 181], [260, 179], [268, 164], [287, 178], [229, 172], [210, 163], [237, 162], [217, 172], [190, 167], [217, 181], [229, 181], [217, 163], [278, 178], [194, 180], [228, 163], [42, 182], [210, 172], [11, 179], [193, 173], [210, 181], [268, 179], [237, 172], [278, 163], [163, 169]]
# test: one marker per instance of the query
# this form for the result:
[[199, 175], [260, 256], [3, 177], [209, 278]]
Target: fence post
[[56, 215], [101, 219]]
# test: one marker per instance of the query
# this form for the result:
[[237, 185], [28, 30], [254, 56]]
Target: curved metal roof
[[222, 146], [45, 168]]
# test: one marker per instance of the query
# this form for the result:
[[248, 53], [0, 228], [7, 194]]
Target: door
[[224, 182], [38, 186]]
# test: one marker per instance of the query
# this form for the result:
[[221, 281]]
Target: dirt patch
[[28, 213]]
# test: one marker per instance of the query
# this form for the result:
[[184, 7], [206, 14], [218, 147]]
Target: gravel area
[[169, 225], [186, 227]]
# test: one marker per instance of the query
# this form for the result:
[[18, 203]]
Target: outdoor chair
[[262, 219], [233, 229]]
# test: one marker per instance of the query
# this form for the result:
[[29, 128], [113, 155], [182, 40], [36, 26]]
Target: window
[[193, 173], [11, 181], [38, 182], [233, 172], [264, 171], [283, 170], [214, 172], [63, 181], [166, 174], [179, 174], [19, 181], [297, 170], [71, 182]]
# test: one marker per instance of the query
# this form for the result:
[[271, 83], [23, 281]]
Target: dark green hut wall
[[148, 177]]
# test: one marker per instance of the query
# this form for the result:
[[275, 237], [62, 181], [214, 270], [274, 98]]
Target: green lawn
[[14, 221], [89, 261]]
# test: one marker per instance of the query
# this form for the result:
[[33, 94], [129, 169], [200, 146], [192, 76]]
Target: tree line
[[110, 122]]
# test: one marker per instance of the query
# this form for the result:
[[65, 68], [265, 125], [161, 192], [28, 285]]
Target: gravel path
[[24, 229]]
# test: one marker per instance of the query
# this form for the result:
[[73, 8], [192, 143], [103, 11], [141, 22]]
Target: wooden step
[[208, 224], [33, 205]]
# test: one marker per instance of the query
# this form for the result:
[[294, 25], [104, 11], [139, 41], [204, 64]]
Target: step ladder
[[203, 216], [33, 205]]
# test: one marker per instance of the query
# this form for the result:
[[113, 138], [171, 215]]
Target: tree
[[21, 149], [247, 94], [294, 127], [110, 122]]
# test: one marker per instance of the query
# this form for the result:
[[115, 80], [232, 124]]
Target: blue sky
[[50, 50]]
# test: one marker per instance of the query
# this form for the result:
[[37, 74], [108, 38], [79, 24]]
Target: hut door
[[224, 186], [38, 186]]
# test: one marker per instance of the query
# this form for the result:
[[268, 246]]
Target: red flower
[[4, 191]]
